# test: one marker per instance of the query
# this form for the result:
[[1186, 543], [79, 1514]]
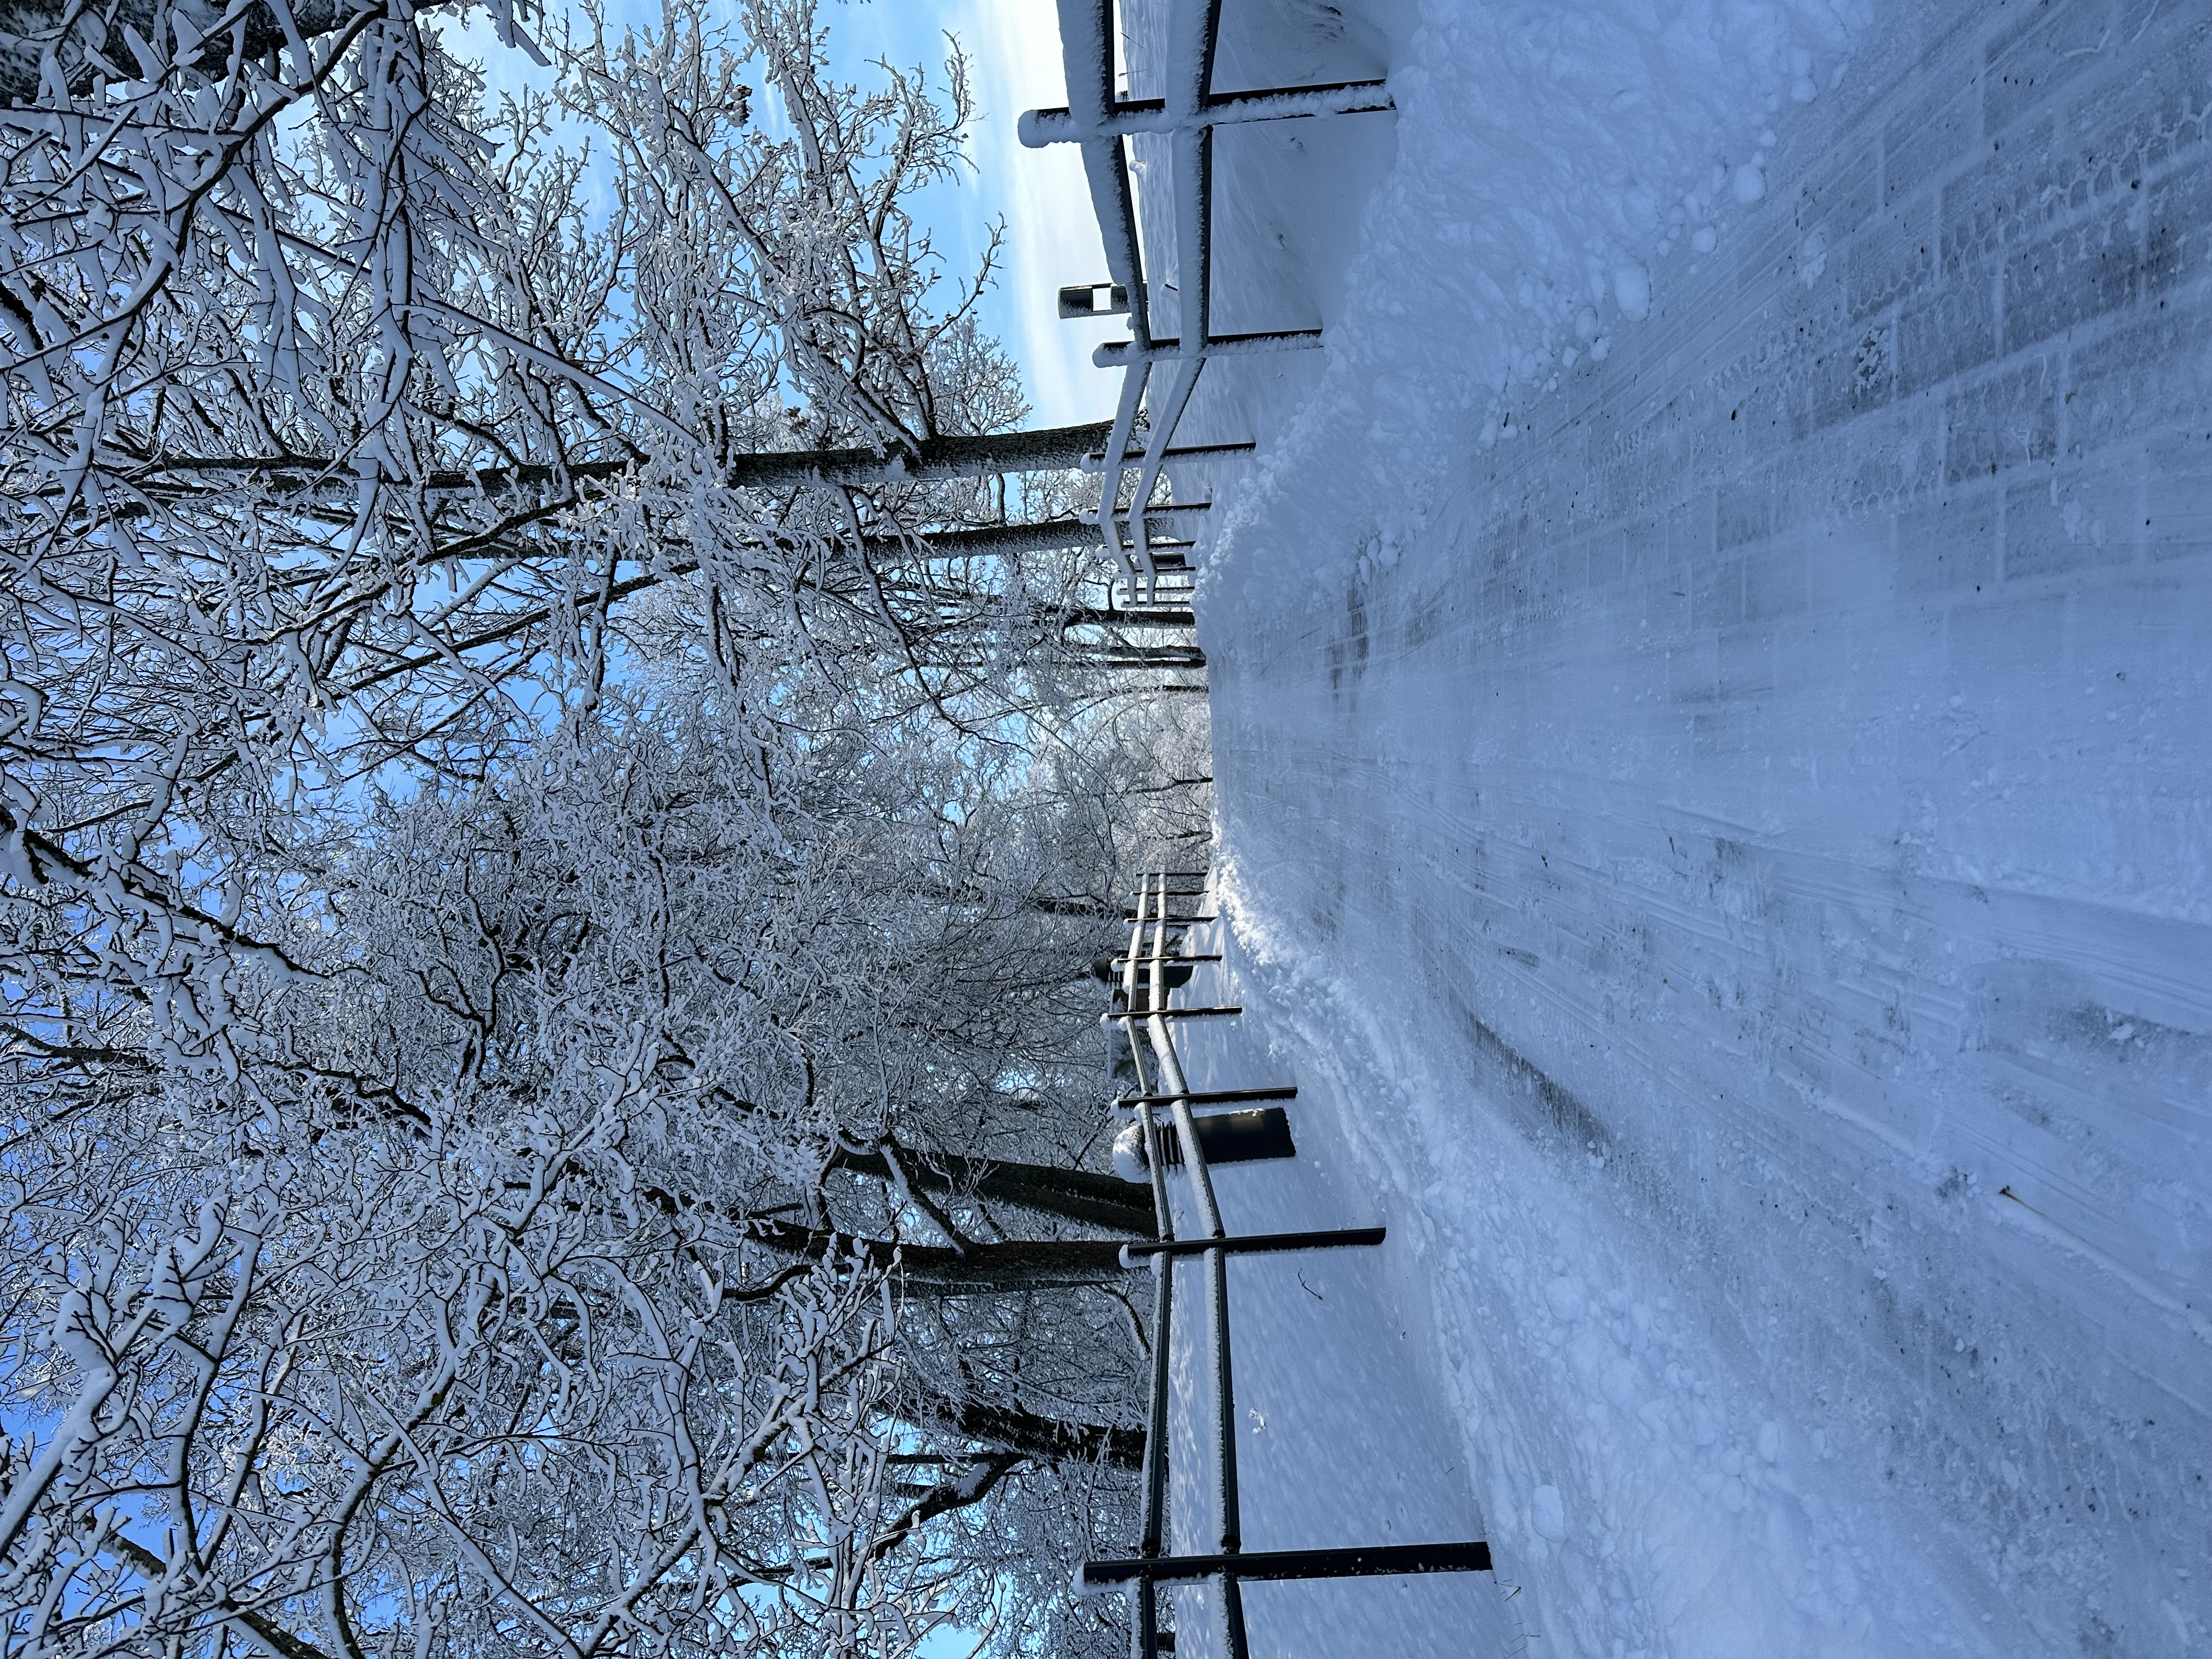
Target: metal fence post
[[1100, 123]]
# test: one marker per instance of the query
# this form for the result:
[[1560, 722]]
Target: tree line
[[560, 760]]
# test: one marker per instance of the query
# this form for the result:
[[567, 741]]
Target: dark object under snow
[[1245, 1137], [1175, 974]]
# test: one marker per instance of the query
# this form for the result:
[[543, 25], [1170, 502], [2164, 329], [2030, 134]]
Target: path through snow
[[1710, 712]]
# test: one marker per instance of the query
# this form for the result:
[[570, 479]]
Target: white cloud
[[1051, 236]]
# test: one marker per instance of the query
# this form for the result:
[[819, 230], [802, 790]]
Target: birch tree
[[566, 1248]]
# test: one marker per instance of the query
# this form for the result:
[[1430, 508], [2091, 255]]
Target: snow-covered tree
[[339, 404], [571, 1243], [549, 831], [624, 1172]]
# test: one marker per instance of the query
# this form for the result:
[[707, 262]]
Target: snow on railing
[[1100, 121], [1147, 982]]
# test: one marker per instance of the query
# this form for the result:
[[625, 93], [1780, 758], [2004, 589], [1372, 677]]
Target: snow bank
[[1549, 155], [1723, 791]]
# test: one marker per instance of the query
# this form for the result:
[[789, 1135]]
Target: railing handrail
[[1101, 123], [1147, 1009]]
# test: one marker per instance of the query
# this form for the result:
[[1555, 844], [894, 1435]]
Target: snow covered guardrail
[[1145, 1007], [1101, 122]]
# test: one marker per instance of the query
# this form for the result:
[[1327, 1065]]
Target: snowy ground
[[1710, 714]]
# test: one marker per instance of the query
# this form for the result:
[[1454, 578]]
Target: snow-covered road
[[1712, 710]]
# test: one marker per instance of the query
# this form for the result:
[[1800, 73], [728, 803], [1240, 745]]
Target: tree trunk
[[1026, 1264], [1140, 656], [1079, 1195], [1046, 449], [1046, 1438]]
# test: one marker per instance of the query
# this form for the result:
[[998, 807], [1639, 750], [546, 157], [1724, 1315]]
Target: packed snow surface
[[1710, 709]]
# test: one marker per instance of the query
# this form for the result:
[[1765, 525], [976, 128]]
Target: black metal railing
[[1146, 1010], [1101, 122]]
